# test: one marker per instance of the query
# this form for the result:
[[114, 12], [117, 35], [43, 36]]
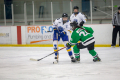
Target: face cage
[[65, 20]]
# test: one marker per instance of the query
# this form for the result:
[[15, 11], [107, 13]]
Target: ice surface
[[15, 64]]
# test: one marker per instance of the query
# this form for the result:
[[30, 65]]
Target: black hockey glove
[[81, 23], [68, 45]]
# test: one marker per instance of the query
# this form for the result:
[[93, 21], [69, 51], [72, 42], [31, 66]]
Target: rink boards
[[36, 36]]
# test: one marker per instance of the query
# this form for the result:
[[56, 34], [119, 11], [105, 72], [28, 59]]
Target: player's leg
[[69, 52], [119, 36], [55, 48], [56, 38], [65, 41], [68, 49], [76, 51], [91, 50], [114, 36], [77, 48]]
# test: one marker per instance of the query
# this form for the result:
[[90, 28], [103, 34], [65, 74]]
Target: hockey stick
[[119, 40], [46, 56], [47, 30], [57, 48], [40, 41]]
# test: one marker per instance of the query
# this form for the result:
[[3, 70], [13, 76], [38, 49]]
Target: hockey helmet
[[74, 24], [75, 7], [64, 15]]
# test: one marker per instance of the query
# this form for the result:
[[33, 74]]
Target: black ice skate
[[113, 45], [97, 59], [75, 59], [56, 61]]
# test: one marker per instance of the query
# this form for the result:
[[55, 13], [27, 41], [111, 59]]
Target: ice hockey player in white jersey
[[61, 27], [77, 16]]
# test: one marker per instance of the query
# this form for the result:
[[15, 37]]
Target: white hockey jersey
[[79, 17], [66, 26]]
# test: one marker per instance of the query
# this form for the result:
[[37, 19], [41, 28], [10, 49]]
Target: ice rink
[[15, 64]]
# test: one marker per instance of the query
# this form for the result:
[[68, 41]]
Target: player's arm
[[55, 25], [61, 31], [113, 21], [83, 18], [73, 40], [71, 19], [69, 29], [88, 29]]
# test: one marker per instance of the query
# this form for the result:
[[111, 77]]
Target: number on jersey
[[84, 33]]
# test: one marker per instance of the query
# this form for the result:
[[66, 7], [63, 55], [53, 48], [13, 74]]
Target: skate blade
[[113, 46], [76, 62], [97, 61], [55, 62]]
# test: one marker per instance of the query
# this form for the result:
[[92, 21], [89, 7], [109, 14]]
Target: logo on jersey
[[66, 26], [75, 20]]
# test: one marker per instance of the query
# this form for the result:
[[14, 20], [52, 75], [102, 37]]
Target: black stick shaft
[[119, 40], [51, 54], [49, 31]]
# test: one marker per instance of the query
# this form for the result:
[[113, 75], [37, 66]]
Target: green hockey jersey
[[82, 35]]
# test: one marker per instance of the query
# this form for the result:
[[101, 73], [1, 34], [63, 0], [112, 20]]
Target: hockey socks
[[69, 51], [92, 52], [77, 56], [55, 49]]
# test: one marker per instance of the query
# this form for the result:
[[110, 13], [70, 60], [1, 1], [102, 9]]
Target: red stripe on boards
[[19, 40]]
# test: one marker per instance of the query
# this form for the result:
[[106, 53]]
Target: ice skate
[[97, 59], [75, 59], [113, 46], [56, 61]]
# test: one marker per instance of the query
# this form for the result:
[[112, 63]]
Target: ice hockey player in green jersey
[[82, 38]]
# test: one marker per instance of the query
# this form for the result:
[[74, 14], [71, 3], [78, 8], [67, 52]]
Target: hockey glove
[[55, 30], [68, 45], [60, 29], [81, 23], [63, 33]]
